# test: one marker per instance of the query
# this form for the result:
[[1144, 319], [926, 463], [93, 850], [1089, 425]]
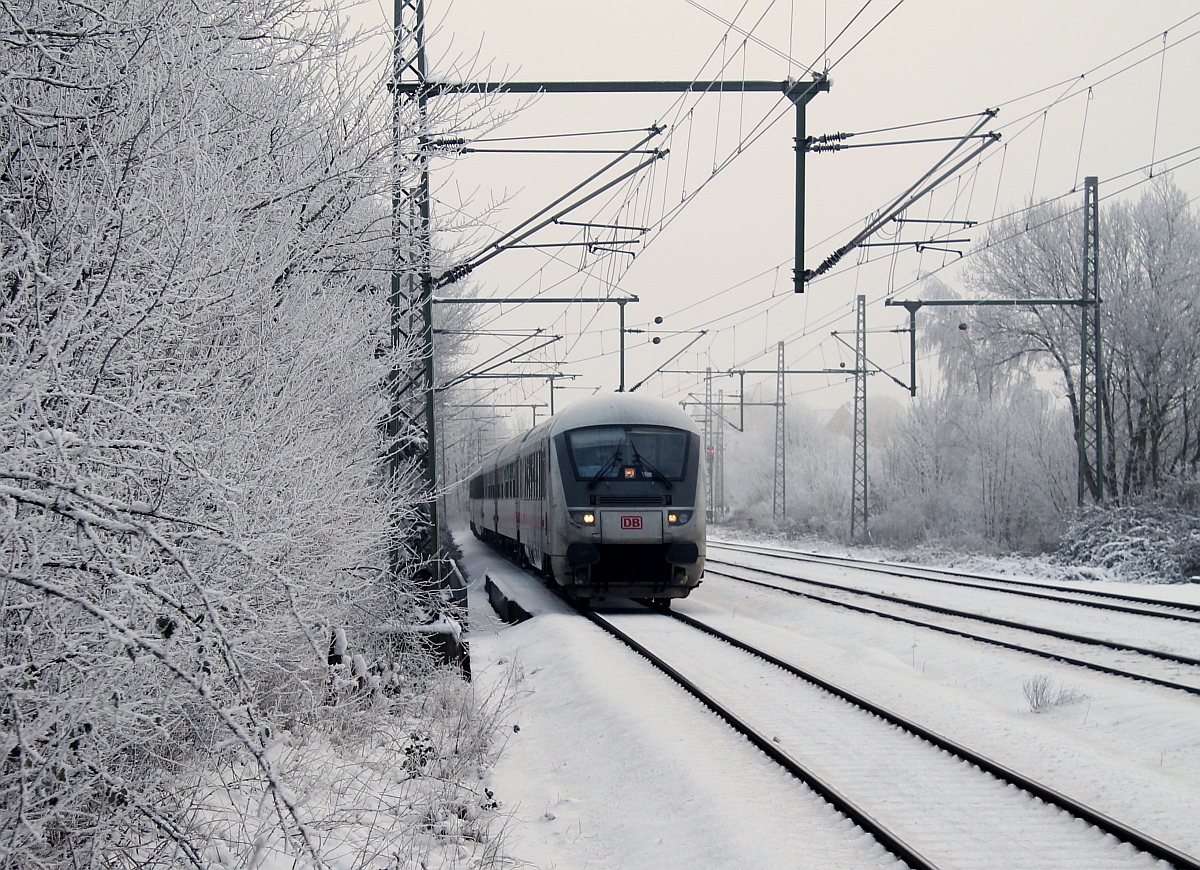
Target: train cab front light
[[678, 518], [584, 518]]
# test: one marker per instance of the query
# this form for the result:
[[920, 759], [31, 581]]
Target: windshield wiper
[[615, 458], [645, 464]]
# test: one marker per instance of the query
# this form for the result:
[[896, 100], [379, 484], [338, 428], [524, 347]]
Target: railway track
[[1159, 667], [1103, 600], [903, 783]]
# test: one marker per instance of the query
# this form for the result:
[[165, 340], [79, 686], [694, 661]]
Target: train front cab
[[633, 524]]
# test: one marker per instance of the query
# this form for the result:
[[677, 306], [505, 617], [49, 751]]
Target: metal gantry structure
[[411, 425], [800, 93], [858, 476]]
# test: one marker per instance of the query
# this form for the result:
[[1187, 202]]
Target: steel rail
[[1083, 663], [840, 802], [897, 570], [1089, 814], [993, 620]]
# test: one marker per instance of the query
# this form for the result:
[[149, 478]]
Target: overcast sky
[[927, 60]]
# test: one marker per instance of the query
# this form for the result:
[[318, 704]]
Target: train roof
[[621, 408], [600, 410]]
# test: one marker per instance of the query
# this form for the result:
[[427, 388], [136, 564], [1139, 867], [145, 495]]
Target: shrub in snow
[[395, 790], [1149, 543]]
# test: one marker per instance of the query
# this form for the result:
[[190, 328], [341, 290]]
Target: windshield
[[628, 452]]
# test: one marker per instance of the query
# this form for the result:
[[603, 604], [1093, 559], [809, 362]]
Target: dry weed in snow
[[1042, 694]]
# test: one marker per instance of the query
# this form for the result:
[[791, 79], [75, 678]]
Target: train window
[[604, 452]]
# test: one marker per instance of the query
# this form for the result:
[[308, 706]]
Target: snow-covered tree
[[994, 468], [1149, 276], [1151, 288], [194, 248]]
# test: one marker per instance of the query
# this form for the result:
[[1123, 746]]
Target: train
[[605, 499]]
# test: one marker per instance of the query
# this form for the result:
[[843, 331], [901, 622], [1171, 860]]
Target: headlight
[[678, 518], [584, 518]]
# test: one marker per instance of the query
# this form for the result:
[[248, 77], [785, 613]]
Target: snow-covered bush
[[1153, 542], [401, 791], [194, 244]]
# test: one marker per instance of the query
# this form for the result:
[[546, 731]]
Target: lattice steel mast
[[710, 449], [858, 481], [410, 424], [719, 438], [779, 491], [1089, 432], [1091, 371]]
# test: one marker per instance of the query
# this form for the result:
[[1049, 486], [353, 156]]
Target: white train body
[[607, 498]]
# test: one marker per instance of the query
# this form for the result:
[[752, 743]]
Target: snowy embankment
[[1043, 569], [374, 791], [616, 766]]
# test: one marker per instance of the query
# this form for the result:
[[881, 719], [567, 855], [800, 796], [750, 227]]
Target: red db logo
[[631, 523]]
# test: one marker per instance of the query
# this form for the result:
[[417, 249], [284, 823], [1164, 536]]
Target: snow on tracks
[[946, 808], [1111, 645], [612, 767]]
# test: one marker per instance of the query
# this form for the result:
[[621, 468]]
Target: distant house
[[842, 422], [882, 413]]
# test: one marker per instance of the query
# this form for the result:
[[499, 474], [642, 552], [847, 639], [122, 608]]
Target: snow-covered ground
[[609, 764]]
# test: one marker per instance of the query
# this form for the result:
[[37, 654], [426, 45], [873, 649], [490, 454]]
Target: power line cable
[[682, 99], [1100, 66], [764, 124], [892, 129], [830, 44], [743, 143], [1070, 84], [1158, 103], [1059, 99], [749, 35], [899, 3]]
